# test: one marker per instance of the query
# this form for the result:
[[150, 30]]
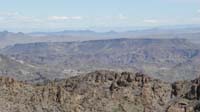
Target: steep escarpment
[[100, 91]]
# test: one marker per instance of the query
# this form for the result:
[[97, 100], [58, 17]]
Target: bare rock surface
[[100, 91]]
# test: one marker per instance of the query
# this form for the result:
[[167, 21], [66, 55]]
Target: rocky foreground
[[101, 91]]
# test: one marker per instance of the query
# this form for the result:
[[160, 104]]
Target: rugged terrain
[[101, 91], [56, 76], [167, 59], [22, 71]]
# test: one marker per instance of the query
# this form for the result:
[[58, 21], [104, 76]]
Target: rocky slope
[[101, 91], [23, 71]]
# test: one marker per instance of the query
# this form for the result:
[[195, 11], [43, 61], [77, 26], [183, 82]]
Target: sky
[[55, 15]]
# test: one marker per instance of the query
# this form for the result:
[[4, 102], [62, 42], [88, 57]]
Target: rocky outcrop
[[181, 106], [100, 91], [194, 92], [186, 96]]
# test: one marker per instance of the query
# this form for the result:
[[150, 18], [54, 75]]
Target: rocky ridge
[[101, 91]]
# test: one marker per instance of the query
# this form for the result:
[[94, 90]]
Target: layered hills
[[23, 71], [187, 32], [167, 59]]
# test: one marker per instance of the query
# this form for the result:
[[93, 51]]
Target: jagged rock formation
[[100, 91], [186, 96]]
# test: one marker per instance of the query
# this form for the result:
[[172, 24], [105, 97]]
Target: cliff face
[[100, 91]]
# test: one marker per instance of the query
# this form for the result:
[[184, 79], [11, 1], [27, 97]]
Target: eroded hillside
[[101, 91], [167, 59]]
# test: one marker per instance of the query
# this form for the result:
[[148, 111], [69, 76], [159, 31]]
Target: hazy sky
[[44, 15]]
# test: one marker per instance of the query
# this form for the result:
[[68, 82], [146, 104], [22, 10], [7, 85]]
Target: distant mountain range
[[165, 53], [9, 38]]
